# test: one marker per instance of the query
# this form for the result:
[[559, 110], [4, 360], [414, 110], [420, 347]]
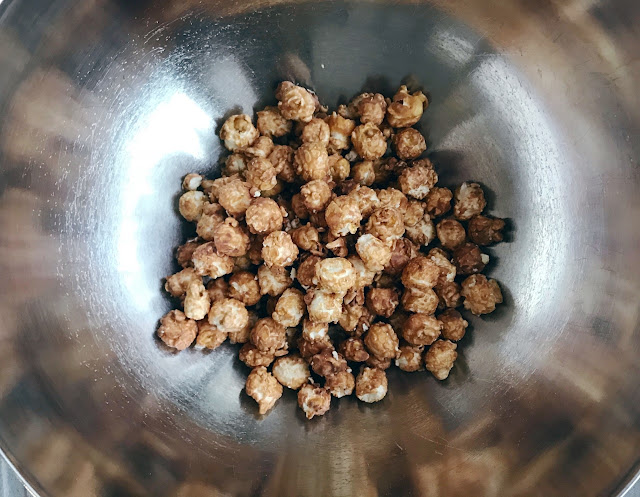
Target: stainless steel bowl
[[106, 104]]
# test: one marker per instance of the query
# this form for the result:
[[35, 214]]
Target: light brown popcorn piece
[[355, 319], [295, 103], [386, 224], [218, 289], [316, 130], [263, 388], [441, 259], [209, 337], [422, 233], [485, 230], [309, 348], [371, 385], [306, 238], [235, 197], [375, 254], [261, 174], [264, 216], [417, 181], [176, 330], [449, 294], [349, 111], [382, 301], [343, 216], [382, 341], [409, 144], [324, 306], [230, 238], [253, 358], [340, 129], [208, 262], [282, 160], [191, 204], [414, 213], [273, 124], [364, 173], [196, 301], [268, 335], [402, 251], [238, 132], [410, 358], [261, 148], [311, 161], [185, 252], [192, 181], [371, 108], [340, 384], [315, 195], [243, 286], [480, 294], [299, 209], [421, 329], [353, 349], [378, 363], [178, 283], [390, 198], [469, 259], [368, 141], [278, 249], [422, 301], [228, 315], [335, 275], [364, 276], [454, 326], [306, 272], [420, 273], [406, 108], [314, 331], [212, 216], [438, 201], [328, 362], [451, 233], [367, 199], [440, 357], [291, 371], [339, 168], [314, 400], [290, 308], [244, 334], [468, 201]]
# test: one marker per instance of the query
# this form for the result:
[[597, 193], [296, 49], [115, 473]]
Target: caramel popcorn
[[252, 357], [292, 371], [282, 160], [417, 181], [272, 123], [386, 224], [263, 388], [454, 326], [311, 161], [420, 273], [339, 168], [209, 337], [421, 233], [184, 253], [371, 108], [238, 132], [290, 308], [382, 301], [402, 251], [177, 284], [191, 204], [441, 259], [390, 198], [368, 141], [335, 275], [244, 334], [315, 195], [364, 276], [196, 300], [421, 329], [375, 254], [468, 201], [217, 289], [328, 362], [382, 341], [410, 358], [208, 262], [343, 215], [264, 216], [406, 109], [243, 286], [278, 249], [261, 174], [312, 331], [261, 148], [324, 306], [424, 301], [378, 363], [309, 348], [340, 129], [295, 103], [469, 259], [440, 357], [192, 181], [485, 230], [353, 350], [176, 330], [228, 315], [449, 294], [414, 213], [316, 130], [314, 400], [230, 238], [480, 294], [371, 385], [212, 216], [367, 200], [306, 238], [235, 197], [338, 246], [355, 319], [340, 384], [438, 201], [364, 173], [451, 233], [409, 144]]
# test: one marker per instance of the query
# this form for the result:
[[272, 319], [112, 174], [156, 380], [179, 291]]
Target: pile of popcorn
[[327, 250]]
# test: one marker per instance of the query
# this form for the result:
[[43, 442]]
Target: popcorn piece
[[309, 348], [335, 275], [421, 329], [449, 294], [371, 108], [228, 315], [263, 388], [417, 181], [390, 198], [422, 301], [244, 286], [382, 301], [306, 238], [328, 362], [315, 195], [324, 306], [480, 294], [386, 224], [268, 335], [368, 141], [343, 216], [353, 349], [440, 357], [339, 168], [176, 330], [208, 262], [178, 283], [278, 249], [338, 246], [364, 277], [382, 341], [290, 308], [282, 160], [469, 259], [185, 252], [244, 334], [196, 301], [409, 144], [306, 272], [261, 148], [451, 233], [468, 201], [264, 216], [378, 363], [454, 326], [367, 199], [374, 252], [486, 230], [364, 173], [441, 259], [235, 197], [420, 273], [314, 331], [209, 337], [311, 161], [410, 358], [261, 174], [422, 233], [316, 130], [371, 385], [230, 238], [272, 123], [340, 384], [299, 209], [217, 289], [414, 214], [253, 358], [238, 132], [402, 251], [340, 129], [355, 319], [314, 400], [291, 371], [212, 216], [191, 204], [406, 109], [192, 182], [438, 201], [295, 103]]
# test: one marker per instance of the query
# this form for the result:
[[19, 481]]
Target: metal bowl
[[106, 104]]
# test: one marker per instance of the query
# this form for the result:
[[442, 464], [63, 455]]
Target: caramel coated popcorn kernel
[[295, 103], [371, 385], [417, 181], [454, 326], [440, 357], [176, 330], [314, 400], [278, 249], [480, 294], [468, 201], [406, 108], [409, 144], [382, 341], [292, 371], [263, 388], [238, 132]]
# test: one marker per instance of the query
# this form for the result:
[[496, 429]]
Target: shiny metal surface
[[107, 103]]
